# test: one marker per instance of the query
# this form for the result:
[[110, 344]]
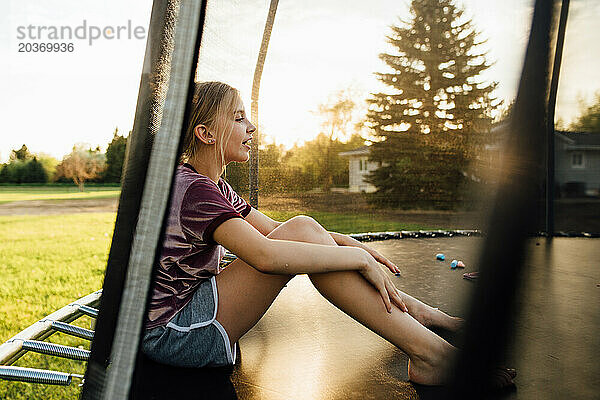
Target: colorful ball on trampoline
[[454, 264]]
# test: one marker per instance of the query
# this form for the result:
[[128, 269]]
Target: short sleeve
[[235, 199], [203, 209]]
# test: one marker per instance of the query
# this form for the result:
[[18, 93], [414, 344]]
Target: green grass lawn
[[21, 193], [46, 262], [349, 223]]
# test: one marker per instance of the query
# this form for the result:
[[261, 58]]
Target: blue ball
[[440, 256]]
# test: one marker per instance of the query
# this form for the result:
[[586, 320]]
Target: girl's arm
[[345, 240], [286, 257], [265, 225], [261, 222]]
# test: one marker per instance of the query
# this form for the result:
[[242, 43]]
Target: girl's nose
[[251, 128]]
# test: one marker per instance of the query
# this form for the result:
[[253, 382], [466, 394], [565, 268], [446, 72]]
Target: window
[[577, 160]]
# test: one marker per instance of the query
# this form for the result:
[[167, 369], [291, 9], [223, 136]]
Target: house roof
[[573, 140], [361, 151], [580, 140]]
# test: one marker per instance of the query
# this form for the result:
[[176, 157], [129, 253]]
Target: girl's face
[[238, 146]]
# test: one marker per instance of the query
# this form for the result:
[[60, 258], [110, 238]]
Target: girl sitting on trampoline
[[191, 323]]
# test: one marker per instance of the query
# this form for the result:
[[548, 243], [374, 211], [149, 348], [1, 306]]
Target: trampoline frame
[[31, 339]]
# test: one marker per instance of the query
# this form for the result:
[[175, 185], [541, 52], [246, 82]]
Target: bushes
[[23, 171]]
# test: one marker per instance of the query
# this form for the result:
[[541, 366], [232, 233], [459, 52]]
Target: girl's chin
[[242, 159]]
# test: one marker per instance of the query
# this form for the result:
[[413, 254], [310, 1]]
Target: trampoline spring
[[73, 330], [32, 375], [590, 234], [578, 234], [89, 311], [464, 232], [56, 350], [371, 236]]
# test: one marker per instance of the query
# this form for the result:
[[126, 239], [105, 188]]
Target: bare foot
[[432, 371], [425, 374]]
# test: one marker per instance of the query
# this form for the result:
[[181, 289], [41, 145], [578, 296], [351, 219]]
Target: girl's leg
[[245, 294], [429, 354]]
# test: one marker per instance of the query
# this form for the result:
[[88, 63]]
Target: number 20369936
[[26, 47]]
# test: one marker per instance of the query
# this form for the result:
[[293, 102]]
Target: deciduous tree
[[589, 118], [81, 165]]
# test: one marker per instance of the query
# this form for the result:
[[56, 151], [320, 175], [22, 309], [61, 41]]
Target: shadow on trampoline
[[154, 381]]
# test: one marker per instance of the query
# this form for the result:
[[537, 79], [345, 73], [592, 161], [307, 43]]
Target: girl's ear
[[202, 133]]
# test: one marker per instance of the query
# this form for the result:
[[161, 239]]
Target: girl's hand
[[381, 281], [345, 240], [391, 266]]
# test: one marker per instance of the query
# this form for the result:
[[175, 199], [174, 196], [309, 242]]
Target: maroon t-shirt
[[189, 253]]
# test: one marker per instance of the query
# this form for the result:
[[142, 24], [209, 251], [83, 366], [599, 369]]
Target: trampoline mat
[[304, 348]]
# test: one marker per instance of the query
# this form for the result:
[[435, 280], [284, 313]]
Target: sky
[[52, 101]]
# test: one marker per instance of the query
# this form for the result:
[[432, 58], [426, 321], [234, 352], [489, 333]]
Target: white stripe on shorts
[[196, 325], [230, 350]]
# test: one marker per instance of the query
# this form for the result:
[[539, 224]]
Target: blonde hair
[[213, 105]]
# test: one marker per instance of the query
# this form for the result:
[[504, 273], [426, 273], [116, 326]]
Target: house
[[359, 168], [577, 163], [577, 160]]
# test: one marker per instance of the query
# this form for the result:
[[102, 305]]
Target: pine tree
[[436, 109], [34, 172], [115, 158], [5, 176]]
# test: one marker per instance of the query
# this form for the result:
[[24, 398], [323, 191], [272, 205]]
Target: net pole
[[260, 63], [550, 161], [494, 304]]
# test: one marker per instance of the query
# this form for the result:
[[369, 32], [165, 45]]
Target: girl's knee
[[301, 228], [303, 221]]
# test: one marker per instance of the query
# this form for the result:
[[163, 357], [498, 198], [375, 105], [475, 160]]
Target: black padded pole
[[153, 86], [502, 263], [171, 61]]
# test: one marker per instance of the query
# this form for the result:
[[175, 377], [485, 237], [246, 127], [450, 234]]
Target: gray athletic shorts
[[193, 337]]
